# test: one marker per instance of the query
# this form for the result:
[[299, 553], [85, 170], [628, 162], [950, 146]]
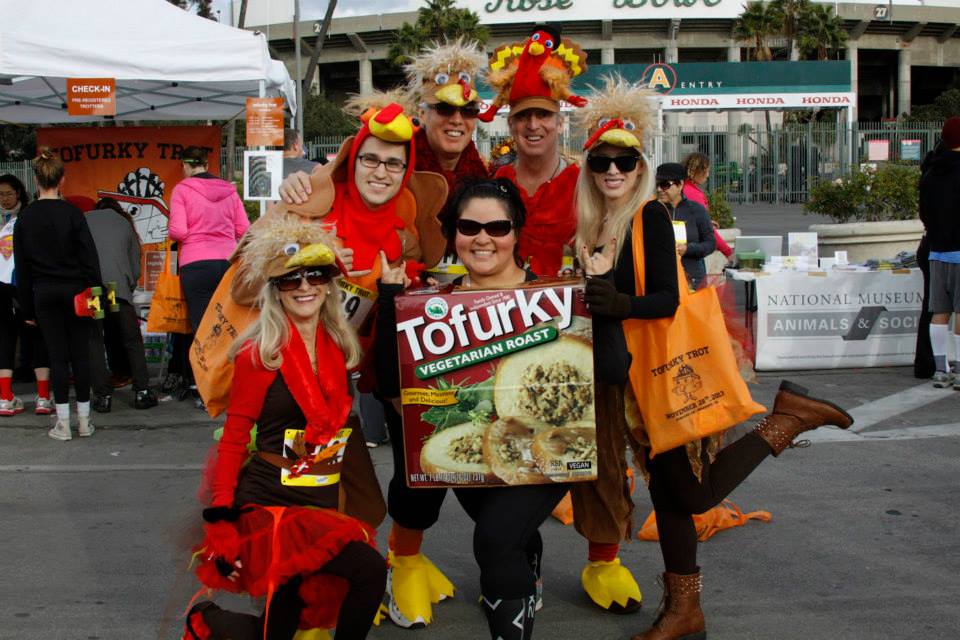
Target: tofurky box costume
[[447, 74], [406, 227], [536, 74], [280, 524], [619, 114]]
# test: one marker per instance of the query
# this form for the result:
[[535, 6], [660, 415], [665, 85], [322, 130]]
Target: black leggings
[[410, 508], [677, 495], [506, 538], [357, 562], [199, 280], [67, 338], [12, 327]]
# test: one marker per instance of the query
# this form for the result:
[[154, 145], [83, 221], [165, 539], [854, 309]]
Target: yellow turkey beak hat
[[446, 73], [619, 114]]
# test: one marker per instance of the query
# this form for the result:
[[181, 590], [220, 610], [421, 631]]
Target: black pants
[[125, 326], [200, 280], [33, 353], [677, 495], [923, 364], [506, 537], [67, 338], [358, 563]]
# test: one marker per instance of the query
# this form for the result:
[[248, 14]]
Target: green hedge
[[889, 192]]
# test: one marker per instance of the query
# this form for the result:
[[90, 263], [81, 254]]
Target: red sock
[[6, 388], [405, 542], [600, 552], [43, 388]]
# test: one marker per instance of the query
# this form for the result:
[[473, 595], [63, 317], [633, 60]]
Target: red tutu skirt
[[274, 544]]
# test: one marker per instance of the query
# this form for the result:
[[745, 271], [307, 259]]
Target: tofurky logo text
[[517, 320]]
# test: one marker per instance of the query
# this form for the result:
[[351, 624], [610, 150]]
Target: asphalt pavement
[[862, 543]]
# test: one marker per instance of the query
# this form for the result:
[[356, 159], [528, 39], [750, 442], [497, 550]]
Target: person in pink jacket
[[698, 170], [207, 219]]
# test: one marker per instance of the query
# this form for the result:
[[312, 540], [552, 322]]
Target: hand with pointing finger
[[600, 262], [393, 275]]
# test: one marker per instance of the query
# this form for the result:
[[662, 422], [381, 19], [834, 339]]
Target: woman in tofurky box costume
[[484, 224], [613, 189], [274, 526]]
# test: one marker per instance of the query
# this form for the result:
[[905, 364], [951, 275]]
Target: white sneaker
[[44, 406], [84, 427], [11, 407], [60, 431]]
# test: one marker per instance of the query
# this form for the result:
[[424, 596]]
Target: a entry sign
[[837, 319], [91, 96]]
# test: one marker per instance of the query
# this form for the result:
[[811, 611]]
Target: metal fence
[[752, 164]]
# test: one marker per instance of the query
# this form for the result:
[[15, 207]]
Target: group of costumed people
[[410, 196]]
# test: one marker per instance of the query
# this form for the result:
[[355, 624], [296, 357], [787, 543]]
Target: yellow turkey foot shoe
[[611, 586], [414, 584], [311, 634]]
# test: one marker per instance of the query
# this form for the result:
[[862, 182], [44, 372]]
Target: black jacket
[[700, 239], [940, 201]]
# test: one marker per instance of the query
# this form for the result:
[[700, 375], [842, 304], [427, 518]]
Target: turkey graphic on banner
[[138, 167]]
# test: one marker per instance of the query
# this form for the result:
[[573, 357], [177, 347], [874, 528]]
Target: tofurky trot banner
[[497, 386], [137, 166]]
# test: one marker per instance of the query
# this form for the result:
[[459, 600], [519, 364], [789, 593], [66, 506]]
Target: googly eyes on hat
[[463, 75], [629, 126], [441, 78], [602, 121], [291, 249]]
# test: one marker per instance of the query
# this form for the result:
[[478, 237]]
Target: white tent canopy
[[168, 64]]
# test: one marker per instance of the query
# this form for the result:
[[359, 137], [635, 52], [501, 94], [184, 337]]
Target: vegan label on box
[[497, 386]]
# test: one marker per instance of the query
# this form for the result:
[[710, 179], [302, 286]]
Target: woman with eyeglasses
[[273, 528], [689, 479], [483, 224]]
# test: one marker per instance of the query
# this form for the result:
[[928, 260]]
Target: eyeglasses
[[445, 110], [494, 228], [666, 184], [601, 164], [372, 161], [315, 278]]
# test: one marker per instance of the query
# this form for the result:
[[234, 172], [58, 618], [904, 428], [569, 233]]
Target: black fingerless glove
[[603, 299], [222, 514], [224, 567]]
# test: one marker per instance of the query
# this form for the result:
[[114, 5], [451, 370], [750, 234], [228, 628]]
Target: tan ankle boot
[[795, 412], [680, 617]]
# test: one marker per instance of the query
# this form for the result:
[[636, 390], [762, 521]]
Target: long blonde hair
[[270, 332], [592, 210]]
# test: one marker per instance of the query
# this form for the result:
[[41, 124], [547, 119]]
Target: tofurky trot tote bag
[[168, 308], [684, 373]]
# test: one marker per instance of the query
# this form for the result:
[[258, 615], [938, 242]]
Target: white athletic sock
[[63, 412], [939, 335], [83, 409], [956, 353]]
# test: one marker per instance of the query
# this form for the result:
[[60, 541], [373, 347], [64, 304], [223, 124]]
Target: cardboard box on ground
[[497, 386]]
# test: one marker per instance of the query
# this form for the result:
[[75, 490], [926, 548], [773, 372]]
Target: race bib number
[[325, 471], [356, 302], [448, 269], [680, 232]]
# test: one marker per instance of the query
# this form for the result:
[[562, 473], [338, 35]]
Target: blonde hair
[[270, 332], [47, 168], [695, 164], [592, 210]]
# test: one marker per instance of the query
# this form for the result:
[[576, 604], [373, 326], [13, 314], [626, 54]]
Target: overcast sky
[[311, 9]]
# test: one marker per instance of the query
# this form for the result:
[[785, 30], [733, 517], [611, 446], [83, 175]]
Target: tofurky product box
[[497, 385]]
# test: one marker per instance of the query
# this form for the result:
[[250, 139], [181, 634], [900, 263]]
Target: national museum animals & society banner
[[497, 386], [837, 319], [138, 167]]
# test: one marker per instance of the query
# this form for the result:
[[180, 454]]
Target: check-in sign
[[264, 122], [92, 96]]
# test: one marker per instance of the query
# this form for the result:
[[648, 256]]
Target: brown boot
[[795, 412], [680, 617]]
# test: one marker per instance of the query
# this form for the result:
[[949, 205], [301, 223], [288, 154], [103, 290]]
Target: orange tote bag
[[222, 322], [684, 373], [168, 307]]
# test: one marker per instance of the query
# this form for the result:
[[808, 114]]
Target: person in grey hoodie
[[118, 248]]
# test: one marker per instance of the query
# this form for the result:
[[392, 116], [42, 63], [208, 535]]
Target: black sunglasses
[[469, 111], [494, 228], [601, 164], [666, 184], [315, 277]]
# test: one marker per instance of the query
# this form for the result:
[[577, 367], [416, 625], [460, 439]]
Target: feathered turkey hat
[[536, 73], [446, 73], [279, 244], [619, 113]]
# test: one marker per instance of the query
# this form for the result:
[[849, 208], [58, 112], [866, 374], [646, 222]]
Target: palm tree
[[790, 14], [438, 21], [821, 31], [756, 24]]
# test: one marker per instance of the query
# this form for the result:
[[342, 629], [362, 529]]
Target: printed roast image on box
[[497, 386]]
